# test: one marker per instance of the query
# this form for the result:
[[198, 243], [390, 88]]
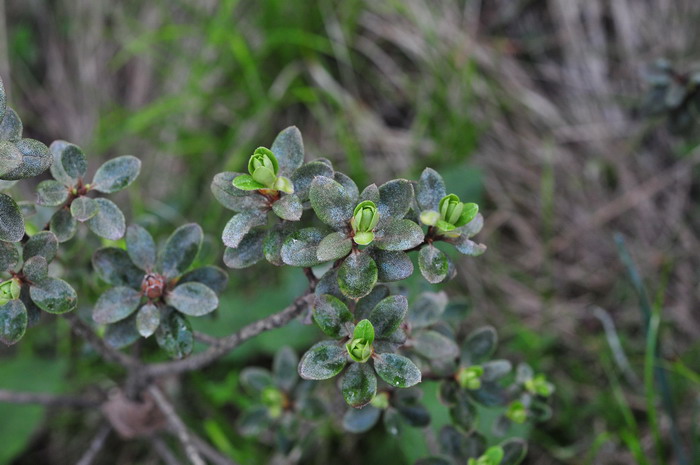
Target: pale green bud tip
[[9, 290], [274, 400], [429, 217], [363, 238], [364, 219], [470, 377], [492, 456], [360, 346], [284, 184], [380, 401], [516, 412], [540, 386]]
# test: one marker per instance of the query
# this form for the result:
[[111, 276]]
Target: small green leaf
[[397, 370], [211, 276], [288, 147], [114, 267], [300, 247], [43, 243], [13, 322], [83, 208], [248, 253], [180, 250], [304, 176], [435, 346], [240, 225], [399, 235], [11, 222], [233, 198], [141, 247], [469, 212], [194, 299], [9, 256], [51, 193], [174, 336], [388, 315], [54, 295], [63, 225], [479, 346], [109, 221], [245, 182], [284, 368], [36, 268], [331, 315], [116, 304], [147, 320], [331, 203], [323, 360], [395, 199], [334, 246], [116, 174], [255, 379], [357, 275], [288, 208], [359, 385], [69, 162], [433, 264], [430, 190], [361, 420]]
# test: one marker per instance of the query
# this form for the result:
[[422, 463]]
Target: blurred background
[[532, 108]]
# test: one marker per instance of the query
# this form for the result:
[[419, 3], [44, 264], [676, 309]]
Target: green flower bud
[[429, 217], [284, 184], [364, 219], [263, 167], [453, 213], [517, 413], [381, 401], [274, 400], [9, 290], [360, 346], [539, 385], [470, 377], [492, 456]]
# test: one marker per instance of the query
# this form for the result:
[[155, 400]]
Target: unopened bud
[[9, 290], [470, 377], [364, 219]]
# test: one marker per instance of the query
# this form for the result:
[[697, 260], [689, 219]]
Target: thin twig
[[164, 452], [205, 338], [226, 344], [96, 445], [108, 353], [177, 425], [52, 400]]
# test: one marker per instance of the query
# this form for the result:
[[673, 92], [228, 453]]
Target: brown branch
[[95, 446], [108, 353], [224, 345], [49, 400], [177, 425]]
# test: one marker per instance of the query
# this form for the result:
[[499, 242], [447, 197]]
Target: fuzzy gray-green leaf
[[122, 333], [428, 309], [248, 253], [43, 243], [370, 193], [334, 246], [141, 247], [331, 203], [304, 176], [13, 322], [348, 184], [272, 244], [284, 368], [51, 193], [300, 247], [361, 420], [233, 198], [430, 190], [464, 415], [63, 225], [323, 360], [211, 276], [36, 268], [10, 126], [115, 304], [54, 295], [288, 148], [398, 234], [395, 198], [175, 336], [114, 266], [392, 265], [288, 208], [180, 250], [147, 320], [357, 275], [193, 299], [11, 222], [467, 246], [116, 174], [479, 346], [359, 385], [397, 370], [388, 315], [331, 315], [433, 264], [35, 160], [109, 221], [83, 208], [514, 451], [240, 225], [69, 162], [434, 345], [9, 256], [255, 379]]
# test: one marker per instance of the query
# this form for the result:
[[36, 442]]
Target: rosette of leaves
[[448, 219], [365, 348], [674, 94], [457, 448], [530, 393], [20, 158], [475, 379], [374, 218], [78, 199], [395, 408], [280, 400], [154, 293], [29, 288]]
